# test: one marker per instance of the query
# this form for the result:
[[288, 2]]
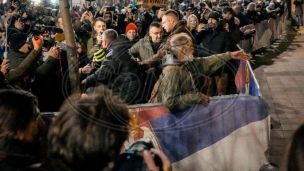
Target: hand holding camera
[[142, 156]]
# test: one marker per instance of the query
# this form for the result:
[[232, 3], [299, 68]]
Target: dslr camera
[[132, 158], [223, 22]]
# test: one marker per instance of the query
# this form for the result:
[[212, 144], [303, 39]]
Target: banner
[[232, 133]]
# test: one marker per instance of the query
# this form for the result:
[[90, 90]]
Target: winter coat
[[22, 65], [119, 71], [143, 48], [214, 42], [177, 89], [180, 27]]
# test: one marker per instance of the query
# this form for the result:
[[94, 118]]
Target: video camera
[[132, 158]]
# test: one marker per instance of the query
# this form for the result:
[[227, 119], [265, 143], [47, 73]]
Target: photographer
[[16, 26], [216, 40], [23, 63], [231, 25]]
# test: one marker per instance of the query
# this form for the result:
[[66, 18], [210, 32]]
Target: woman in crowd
[[192, 23]]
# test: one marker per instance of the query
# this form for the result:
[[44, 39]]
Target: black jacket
[[16, 155], [4, 83], [214, 42], [119, 71]]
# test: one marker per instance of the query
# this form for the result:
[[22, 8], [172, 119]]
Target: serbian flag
[[240, 77], [231, 133]]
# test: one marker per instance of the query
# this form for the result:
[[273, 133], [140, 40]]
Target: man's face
[[156, 34], [212, 23], [167, 23], [107, 17], [251, 7], [227, 15], [188, 12], [237, 10], [100, 26]]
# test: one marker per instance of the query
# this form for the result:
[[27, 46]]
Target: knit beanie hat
[[215, 15], [131, 26], [99, 56], [17, 40]]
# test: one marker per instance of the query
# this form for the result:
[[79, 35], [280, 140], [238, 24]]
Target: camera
[[202, 4], [110, 8], [223, 22], [134, 11], [132, 158]]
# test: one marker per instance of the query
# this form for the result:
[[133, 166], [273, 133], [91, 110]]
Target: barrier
[[266, 32]]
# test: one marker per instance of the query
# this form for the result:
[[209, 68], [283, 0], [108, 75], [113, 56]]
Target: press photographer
[[23, 62], [231, 24]]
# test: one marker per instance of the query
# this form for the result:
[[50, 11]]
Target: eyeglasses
[[157, 33]]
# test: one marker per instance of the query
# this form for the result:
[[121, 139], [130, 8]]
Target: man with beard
[[216, 40], [108, 18], [20, 129]]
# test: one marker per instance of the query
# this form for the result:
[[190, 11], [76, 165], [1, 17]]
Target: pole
[[71, 46]]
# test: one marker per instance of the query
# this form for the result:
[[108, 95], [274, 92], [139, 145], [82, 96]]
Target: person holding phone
[[94, 42]]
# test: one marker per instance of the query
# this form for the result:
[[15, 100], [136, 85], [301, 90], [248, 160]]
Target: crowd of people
[[177, 55], [122, 46]]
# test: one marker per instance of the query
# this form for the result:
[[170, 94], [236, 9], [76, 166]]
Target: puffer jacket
[[119, 71]]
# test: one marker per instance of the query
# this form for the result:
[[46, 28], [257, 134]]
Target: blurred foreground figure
[[20, 130], [88, 134]]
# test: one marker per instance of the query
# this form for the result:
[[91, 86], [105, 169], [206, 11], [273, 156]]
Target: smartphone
[[163, 6], [110, 8], [90, 9]]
